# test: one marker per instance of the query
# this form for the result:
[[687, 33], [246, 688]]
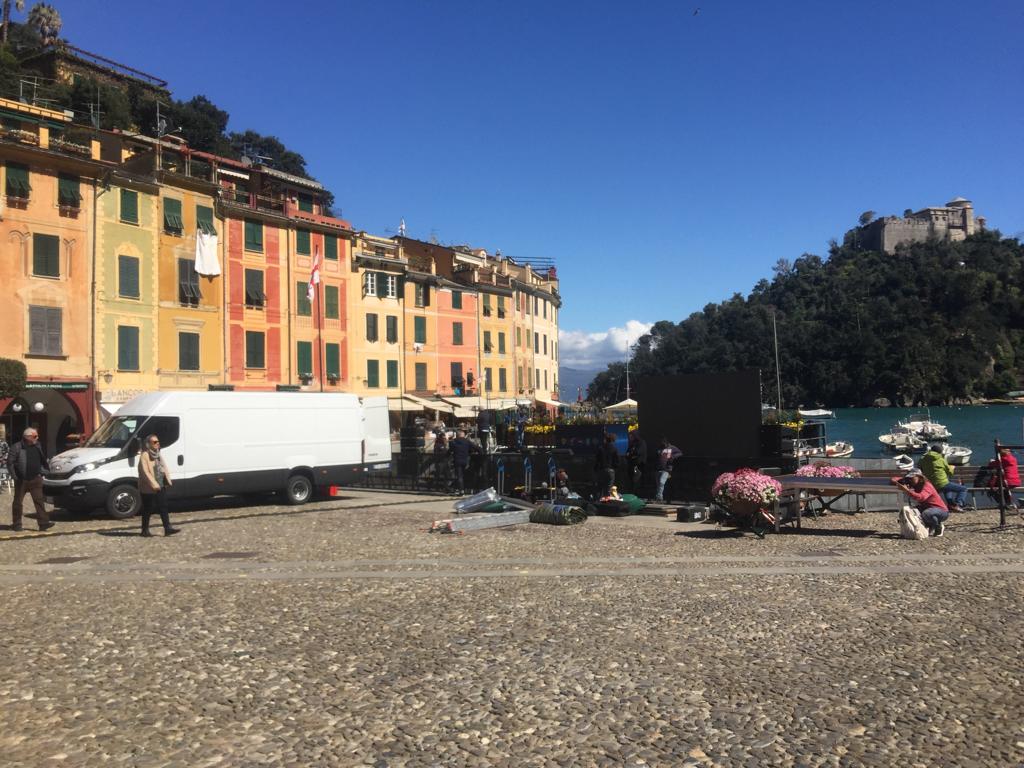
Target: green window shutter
[[204, 219], [172, 216], [332, 360], [392, 373], [305, 202], [382, 284], [331, 308], [501, 306], [391, 329], [502, 380], [457, 333], [127, 348], [420, 330], [421, 377], [46, 255], [302, 239], [487, 341], [456, 299], [372, 373], [254, 349], [45, 330], [188, 351], [488, 382], [188, 283], [254, 296], [129, 206], [501, 343], [303, 307], [254, 235], [304, 357], [18, 181], [128, 277], [69, 190], [371, 327], [426, 295], [331, 247]]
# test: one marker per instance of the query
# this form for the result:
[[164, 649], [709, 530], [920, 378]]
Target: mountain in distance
[[571, 378]]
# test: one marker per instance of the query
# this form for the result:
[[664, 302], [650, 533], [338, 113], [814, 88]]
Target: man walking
[[460, 449], [26, 462], [636, 453]]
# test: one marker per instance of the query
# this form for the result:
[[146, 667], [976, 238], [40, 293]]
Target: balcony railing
[[20, 136], [253, 201]]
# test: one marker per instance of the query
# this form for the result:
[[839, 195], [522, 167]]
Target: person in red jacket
[[929, 502], [1011, 476]]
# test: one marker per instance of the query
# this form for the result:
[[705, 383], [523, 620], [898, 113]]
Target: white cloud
[[579, 349]]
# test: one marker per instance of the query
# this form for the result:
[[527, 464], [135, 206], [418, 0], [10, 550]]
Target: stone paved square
[[343, 634]]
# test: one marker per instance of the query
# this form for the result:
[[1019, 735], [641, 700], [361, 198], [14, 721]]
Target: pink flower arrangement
[[824, 469], [746, 485]]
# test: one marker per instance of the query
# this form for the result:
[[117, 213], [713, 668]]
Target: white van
[[219, 443]]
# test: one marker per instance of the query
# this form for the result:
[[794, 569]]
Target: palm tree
[[20, 5], [47, 22]]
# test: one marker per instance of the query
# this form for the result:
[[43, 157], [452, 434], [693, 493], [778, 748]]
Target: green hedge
[[12, 377]]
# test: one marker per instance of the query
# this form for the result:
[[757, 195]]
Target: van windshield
[[115, 432]]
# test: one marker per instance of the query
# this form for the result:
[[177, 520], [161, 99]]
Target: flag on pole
[[314, 275]]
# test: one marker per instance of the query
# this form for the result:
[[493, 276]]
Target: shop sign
[[119, 395], [63, 386]]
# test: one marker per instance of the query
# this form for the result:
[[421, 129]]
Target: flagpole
[[319, 333]]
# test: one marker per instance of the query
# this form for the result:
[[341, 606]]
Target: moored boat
[[902, 440], [921, 424], [816, 413]]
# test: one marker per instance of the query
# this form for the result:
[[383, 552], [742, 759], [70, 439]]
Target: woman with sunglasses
[[154, 479]]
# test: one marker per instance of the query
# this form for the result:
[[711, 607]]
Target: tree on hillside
[[20, 5], [866, 218], [45, 19], [281, 158]]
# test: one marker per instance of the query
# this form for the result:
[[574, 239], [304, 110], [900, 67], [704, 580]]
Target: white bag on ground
[[911, 525]]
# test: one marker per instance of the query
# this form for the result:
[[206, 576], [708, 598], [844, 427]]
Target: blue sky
[[664, 159]]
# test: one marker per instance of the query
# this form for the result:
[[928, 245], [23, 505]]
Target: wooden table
[[835, 487]]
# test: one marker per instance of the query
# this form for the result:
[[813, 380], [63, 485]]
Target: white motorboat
[[902, 440], [957, 455], [921, 424], [816, 413], [839, 450], [903, 462]]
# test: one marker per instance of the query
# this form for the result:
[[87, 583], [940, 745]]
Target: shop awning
[[629, 404], [551, 403]]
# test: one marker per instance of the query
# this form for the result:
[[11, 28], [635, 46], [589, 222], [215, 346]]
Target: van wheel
[[299, 489], [124, 501]]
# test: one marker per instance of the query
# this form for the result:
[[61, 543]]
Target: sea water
[[974, 426]]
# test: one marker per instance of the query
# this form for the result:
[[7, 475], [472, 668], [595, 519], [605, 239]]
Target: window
[[488, 379], [422, 295], [69, 194], [44, 331], [420, 330], [17, 181], [537, 372], [172, 216], [128, 277], [545, 379], [519, 337], [373, 373], [129, 206], [255, 298], [545, 343], [45, 255], [303, 307], [254, 349], [392, 373], [501, 306], [391, 287], [536, 343], [302, 246], [254, 235], [304, 358], [421, 377], [305, 202], [502, 380], [370, 284], [391, 329], [535, 308], [457, 333], [331, 305], [487, 341], [204, 219], [127, 348], [545, 303], [188, 351], [371, 327], [188, 283], [486, 299], [456, 369], [519, 377], [332, 360], [456, 299], [331, 247], [501, 342]]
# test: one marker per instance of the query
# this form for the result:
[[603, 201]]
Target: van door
[[172, 447], [376, 431]]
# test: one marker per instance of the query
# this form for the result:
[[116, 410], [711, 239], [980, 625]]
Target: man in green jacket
[[935, 467]]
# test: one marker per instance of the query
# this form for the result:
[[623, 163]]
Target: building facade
[[954, 221]]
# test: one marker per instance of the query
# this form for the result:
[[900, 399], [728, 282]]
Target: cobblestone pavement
[[342, 633]]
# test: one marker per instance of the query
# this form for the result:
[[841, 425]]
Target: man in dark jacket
[[636, 454], [26, 461], [460, 450], [606, 462]]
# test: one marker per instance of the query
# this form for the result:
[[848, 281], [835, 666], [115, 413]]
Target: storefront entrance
[[59, 410]]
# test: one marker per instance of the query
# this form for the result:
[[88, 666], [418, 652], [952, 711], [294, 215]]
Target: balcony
[[69, 146], [390, 257], [252, 201], [19, 136]]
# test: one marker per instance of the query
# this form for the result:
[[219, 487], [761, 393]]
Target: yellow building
[[377, 329]]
